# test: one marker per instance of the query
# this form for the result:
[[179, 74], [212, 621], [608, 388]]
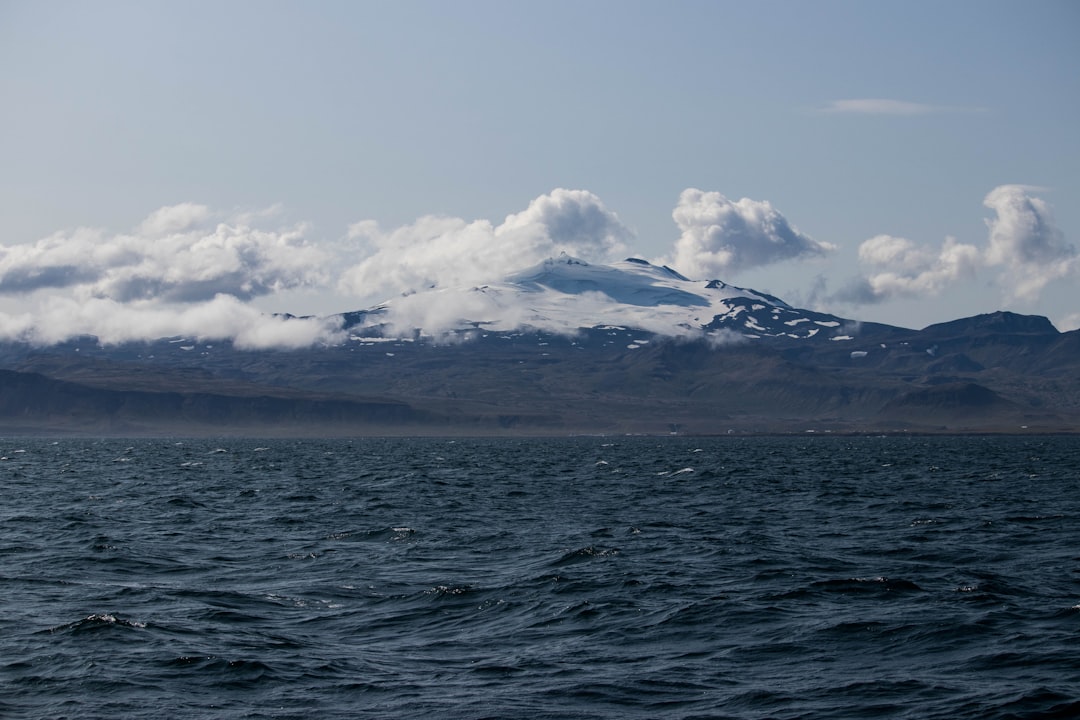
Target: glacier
[[566, 295]]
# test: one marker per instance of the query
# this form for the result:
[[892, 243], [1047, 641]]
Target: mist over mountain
[[564, 346]]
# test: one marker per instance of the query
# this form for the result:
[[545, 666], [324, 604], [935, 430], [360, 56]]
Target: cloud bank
[[175, 255], [182, 271], [221, 318], [1024, 242], [189, 271], [720, 237]]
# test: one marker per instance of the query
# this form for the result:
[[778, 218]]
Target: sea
[[590, 577]]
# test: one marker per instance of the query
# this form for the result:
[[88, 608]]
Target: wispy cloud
[[886, 106]]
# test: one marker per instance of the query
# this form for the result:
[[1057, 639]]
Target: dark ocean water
[[817, 577]]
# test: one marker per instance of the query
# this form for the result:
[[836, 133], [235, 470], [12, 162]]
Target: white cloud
[[444, 252], [443, 311], [173, 256], [57, 261], [501, 308], [189, 271], [223, 317], [720, 237], [173, 219], [180, 272], [1026, 242], [899, 267]]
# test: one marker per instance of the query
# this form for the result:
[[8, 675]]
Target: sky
[[168, 168]]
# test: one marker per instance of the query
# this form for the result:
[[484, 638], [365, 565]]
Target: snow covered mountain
[[565, 347], [566, 295]]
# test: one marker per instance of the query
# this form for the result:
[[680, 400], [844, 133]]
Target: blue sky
[[905, 162]]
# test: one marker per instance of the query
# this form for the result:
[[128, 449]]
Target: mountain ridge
[[568, 347]]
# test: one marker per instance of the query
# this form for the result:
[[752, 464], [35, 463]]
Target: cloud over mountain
[[186, 270], [898, 267], [441, 251], [222, 318], [720, 237]]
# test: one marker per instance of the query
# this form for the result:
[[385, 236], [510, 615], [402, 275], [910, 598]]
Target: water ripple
[[588, 578]]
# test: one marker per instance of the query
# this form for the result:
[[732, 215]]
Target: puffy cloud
[[223, 317], [173, 256], [57, 261], [1025, 240], [899, 267], [186, 270], [720, 237], [441, 251], [180, 272]]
